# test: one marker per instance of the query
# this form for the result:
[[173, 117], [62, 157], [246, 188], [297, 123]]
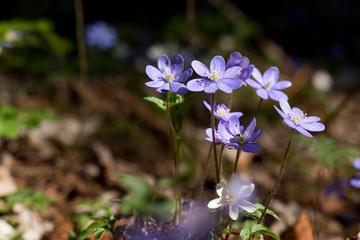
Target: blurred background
[[73, 117]]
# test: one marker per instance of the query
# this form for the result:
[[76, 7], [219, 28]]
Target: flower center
[[227, 197], [268, 85], [168, 75], [222, 111], [297, 115], [215, 74]]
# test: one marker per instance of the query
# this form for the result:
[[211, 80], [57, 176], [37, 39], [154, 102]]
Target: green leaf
[[159, 102], [245, 233], [259, 228], [98, 234], [261, 208]]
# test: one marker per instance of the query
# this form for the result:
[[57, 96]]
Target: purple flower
[[235, 195], [169, 75], [233, 134], [218, 77], [101, 35], [218, 138], [296, 119], [221, 111], [356, 164], [267, 85], [236, 59], [355, 181]]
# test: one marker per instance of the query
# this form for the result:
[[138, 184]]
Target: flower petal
[[255, 135], [233, 83], [178, 64], [163, 62], [234, 126], [355, 181], [185, 75], [231, 72], [276, 95], [178, 88], [246, 73], [153, 73], [289, 122], [197, 84], [233, 212], [250, 147], [281, 85], [253, 84], [215, 203], [250, 128], [311, 119], [283, 115], [271, 75], [285, 107], [155, 84], [258, 77], [164, 88], [200, 68], [356, 164], [314, 126], [303, 131], [248, 206], [217, 63], [233, 60], [211, 87], [224, 87], [262, 93]]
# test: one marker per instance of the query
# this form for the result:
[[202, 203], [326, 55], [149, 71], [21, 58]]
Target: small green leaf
[[159, 102], [245, 233], [98, 234], [261, 208], [258, 228]]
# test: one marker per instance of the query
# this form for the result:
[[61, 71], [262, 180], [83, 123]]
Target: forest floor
[[103, 130]]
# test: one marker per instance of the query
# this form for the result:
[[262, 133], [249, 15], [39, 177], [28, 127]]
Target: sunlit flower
[[101, 35], [215, 78], [168, 75], [235, 195], [233, 134], [267, 85], [297, 119], [221, 111]]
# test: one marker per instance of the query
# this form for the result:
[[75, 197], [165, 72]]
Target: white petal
[[248, 206], [215, 203], [233, 212]]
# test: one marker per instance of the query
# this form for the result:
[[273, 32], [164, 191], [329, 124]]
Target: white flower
[[234, 194]]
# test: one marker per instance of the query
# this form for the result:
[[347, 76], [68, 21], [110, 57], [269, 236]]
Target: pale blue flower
[[234, 195]]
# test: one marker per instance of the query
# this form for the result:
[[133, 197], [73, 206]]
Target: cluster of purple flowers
[[226, 77]]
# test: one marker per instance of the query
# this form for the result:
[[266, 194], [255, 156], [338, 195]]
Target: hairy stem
[[277, 179], [203, 176], [213, 137], [258, 107], [237, 160], [174, 151]]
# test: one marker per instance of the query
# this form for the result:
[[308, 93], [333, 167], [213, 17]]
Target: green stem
[[213, 137], [277, 180], [174, 153], [237, 159]]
